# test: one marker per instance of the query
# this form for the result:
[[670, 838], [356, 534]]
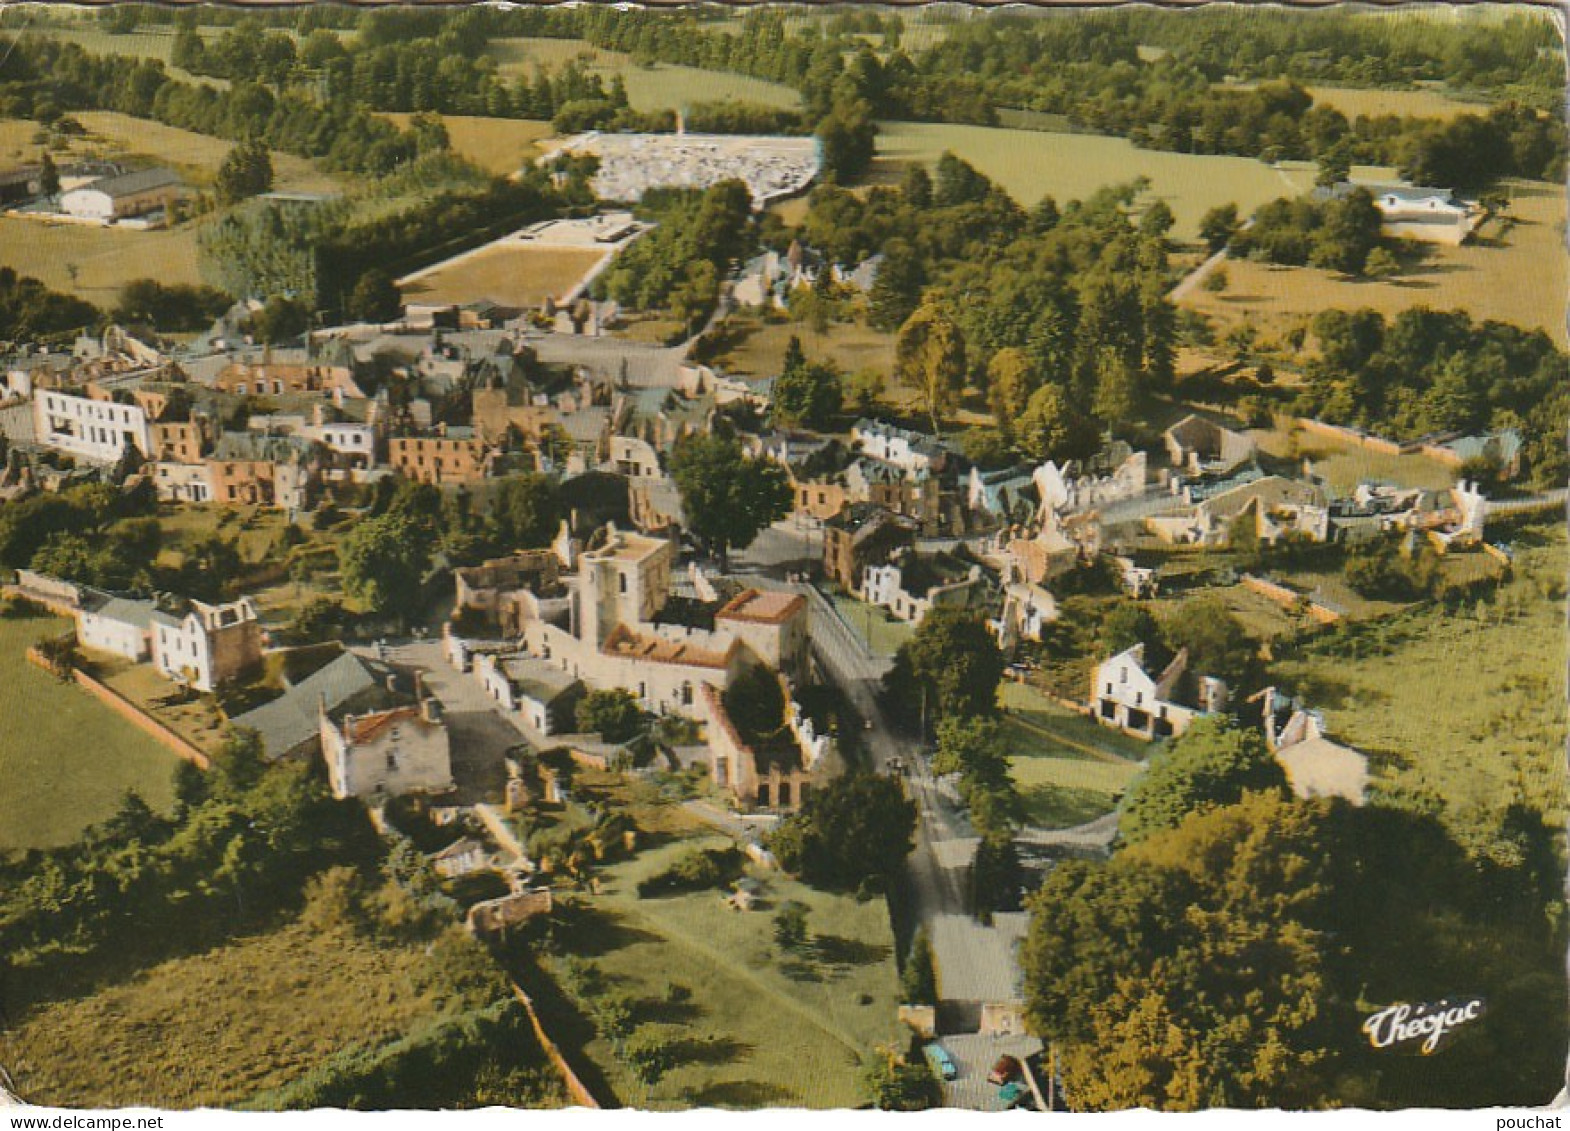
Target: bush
[[699, 869], [334, 900], [613, 714]]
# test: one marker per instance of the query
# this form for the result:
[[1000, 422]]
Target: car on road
[[942, 1063]]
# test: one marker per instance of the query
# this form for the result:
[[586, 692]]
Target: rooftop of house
[[368, 728], [292, 719], [628, 644], [125, 610], [536, 679], [861, 519], [627, 546], [129, 184], [759, 607], [254, 447]]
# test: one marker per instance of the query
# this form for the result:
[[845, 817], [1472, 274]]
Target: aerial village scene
[[833, 557]]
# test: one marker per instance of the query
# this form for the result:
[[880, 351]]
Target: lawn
[[518, 276], [497, 145], [1344, 465], [751, 346], [877, 626], [1513, 272], [65, 758], [659, 86], [143, 43], [766, 1029], [1031, 164], [197, 719], [1468, 705], [1068, 769], [216, 1028]]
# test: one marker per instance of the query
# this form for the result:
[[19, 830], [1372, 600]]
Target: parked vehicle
[[1007, 1068], [942, 1063], [1012, 1094]]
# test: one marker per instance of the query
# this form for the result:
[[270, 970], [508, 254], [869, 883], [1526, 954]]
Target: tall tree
[[728, 497], [1209, 765], [953, 662], [930, 357]]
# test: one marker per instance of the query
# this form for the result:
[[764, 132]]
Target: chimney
[[419, 685], [391, 682]]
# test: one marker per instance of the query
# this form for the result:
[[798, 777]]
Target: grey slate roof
[[139, 180], [292, 720]]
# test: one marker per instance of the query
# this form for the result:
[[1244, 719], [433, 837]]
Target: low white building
[[117, 625], [540, 693]]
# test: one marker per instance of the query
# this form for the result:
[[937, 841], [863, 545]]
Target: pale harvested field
[[1032, 164], [105, 258], [657, 87], [512, 276], [1519, 277], [497, 145]]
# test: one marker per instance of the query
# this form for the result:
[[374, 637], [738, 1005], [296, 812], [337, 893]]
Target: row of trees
[[30, 311]]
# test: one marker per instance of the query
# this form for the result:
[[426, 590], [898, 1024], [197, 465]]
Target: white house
[[388, 753], [117, 625], [1126, 697], [539, 692], [99, 431], [909, 451], [209, 644], [126, 194]]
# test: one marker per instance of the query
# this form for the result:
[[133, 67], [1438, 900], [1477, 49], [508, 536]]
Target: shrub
[[696, 870]]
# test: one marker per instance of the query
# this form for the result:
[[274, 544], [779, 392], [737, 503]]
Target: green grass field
[[216, 1028], [750, 346], [1471, 705], [65, 758], [1030, 164], [1355, 103], [878, 627], [1513, 272], [766, 1029], [660, 86], [1068, 769], [94, 263], [1345, 465]]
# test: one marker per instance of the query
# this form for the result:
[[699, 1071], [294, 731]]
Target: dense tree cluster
[[172, 307], [853, 831], [1428, 371], [727, 496], [1338, 234], [1229, 961], [1072, 300], [30, 311], [242, 840], [679, 266]]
